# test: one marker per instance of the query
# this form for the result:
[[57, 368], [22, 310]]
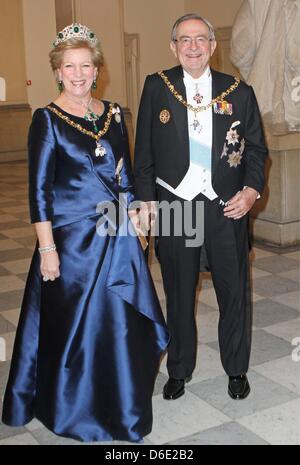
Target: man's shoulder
[[229, 79], [171, 73]]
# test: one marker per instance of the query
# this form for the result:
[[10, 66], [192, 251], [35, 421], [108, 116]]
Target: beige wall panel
[[153, 21], [219, 13], [65, 13], [14, 123], [12, 60], [105, 18], [221, 58], [39, 33]]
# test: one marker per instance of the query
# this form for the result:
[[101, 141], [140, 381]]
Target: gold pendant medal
[[99, 150]]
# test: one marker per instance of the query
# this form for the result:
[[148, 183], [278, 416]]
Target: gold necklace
[[99, 150], [196, 110], [86, 106], [89, 115]]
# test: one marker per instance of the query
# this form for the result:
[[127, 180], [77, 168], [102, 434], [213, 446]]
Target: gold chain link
[[80, 128], [179, 97]]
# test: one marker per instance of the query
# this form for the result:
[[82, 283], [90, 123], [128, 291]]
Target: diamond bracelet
[[49, 248]]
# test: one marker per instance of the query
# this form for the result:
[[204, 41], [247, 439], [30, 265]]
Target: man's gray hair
[[193, 16]]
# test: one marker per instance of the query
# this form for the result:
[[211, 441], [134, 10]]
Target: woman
[[91, 331]]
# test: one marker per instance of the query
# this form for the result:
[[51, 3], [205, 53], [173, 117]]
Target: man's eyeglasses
[[186, 41]]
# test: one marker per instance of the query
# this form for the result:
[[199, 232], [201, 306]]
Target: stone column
[[276, 217]]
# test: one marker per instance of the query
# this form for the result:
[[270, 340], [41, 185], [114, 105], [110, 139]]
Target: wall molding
[[5, 106], [15, 119]]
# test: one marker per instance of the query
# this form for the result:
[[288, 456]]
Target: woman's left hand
[[50, 265]]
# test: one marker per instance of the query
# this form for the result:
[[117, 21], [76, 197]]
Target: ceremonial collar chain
[[80, 128], [195, 110], [100, 150]]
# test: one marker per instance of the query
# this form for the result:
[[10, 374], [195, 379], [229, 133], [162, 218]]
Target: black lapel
[[220, 123], [178, 110]]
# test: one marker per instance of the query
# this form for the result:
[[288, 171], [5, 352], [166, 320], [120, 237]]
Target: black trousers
[[226, 243]]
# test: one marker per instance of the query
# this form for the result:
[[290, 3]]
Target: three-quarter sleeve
[[127, 183], [41, 160]]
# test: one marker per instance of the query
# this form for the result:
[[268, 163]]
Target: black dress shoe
[[174, 388], [238, 387]]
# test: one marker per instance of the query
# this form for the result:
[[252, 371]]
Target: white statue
[[266, 49], [2, 89]]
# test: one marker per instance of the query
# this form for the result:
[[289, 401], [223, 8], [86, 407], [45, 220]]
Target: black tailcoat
[[162, 150]]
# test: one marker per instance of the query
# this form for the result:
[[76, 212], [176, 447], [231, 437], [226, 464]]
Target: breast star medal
[[164, 116], [234, 159], [232, 137]]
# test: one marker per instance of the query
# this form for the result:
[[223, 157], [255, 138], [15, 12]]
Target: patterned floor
[[205, 414]]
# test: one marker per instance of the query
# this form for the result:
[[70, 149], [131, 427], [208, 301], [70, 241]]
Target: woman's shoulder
[[41, 122], [115, 110], [111, 104], [43, 114], [40, 112]]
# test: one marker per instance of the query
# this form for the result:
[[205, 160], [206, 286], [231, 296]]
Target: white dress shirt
[[198, 177]]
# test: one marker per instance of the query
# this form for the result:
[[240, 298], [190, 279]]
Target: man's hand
[[147, 216], [241, 203], [135, 220]]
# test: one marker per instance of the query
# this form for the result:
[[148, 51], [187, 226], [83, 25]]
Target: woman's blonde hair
[[56, 55]]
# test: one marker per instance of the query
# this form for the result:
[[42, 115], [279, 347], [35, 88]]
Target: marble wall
[[276, 217], [15, 112]]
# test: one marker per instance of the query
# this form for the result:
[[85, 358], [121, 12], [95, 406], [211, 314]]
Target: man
[[193, 144]]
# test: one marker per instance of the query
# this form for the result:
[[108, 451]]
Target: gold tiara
[[75, 31]]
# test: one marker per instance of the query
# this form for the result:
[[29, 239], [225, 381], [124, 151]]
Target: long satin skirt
[[88, 344]]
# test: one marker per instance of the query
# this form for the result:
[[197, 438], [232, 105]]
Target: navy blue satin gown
[[88, 344]]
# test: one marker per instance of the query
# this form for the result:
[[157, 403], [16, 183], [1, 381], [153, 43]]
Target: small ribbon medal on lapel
[[164, 116], [223, 108], [117, 112]]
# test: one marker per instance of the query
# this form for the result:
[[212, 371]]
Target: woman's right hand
[[50, 265]]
